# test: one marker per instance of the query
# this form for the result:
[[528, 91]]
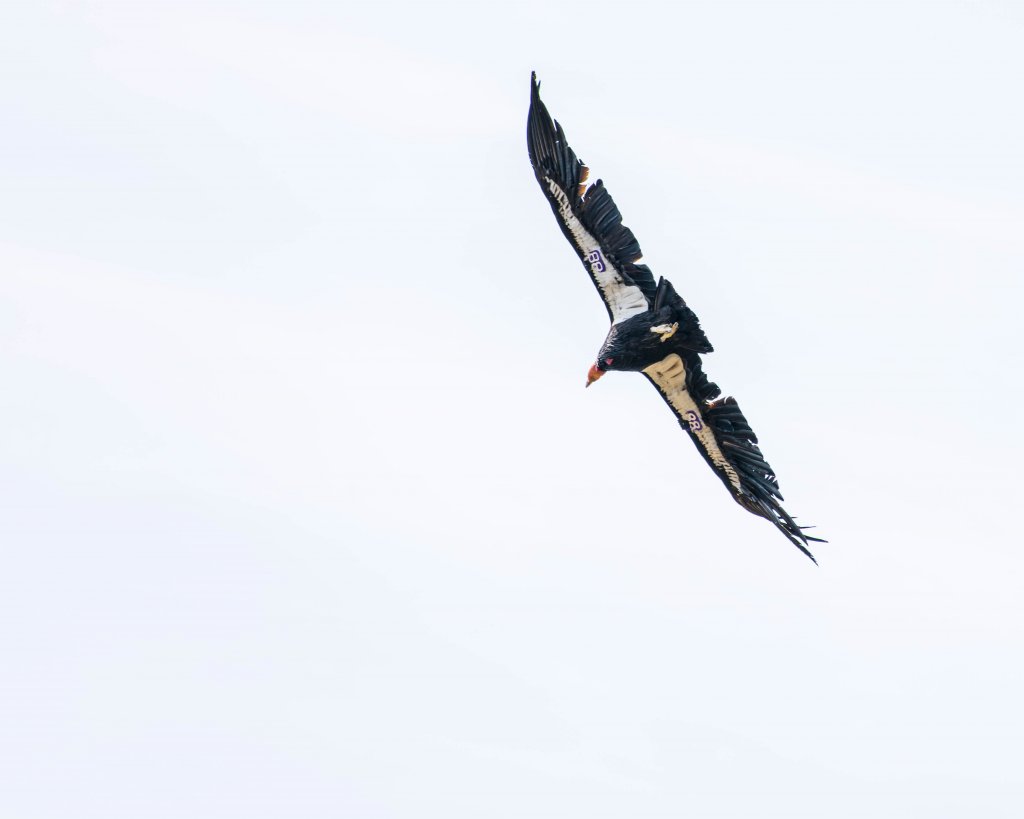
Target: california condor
[[653, 331]]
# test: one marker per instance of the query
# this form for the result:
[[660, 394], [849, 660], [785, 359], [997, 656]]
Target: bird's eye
[[608, 361]]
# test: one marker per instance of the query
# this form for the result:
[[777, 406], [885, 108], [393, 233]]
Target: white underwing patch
[[670, 376], [624, 300]]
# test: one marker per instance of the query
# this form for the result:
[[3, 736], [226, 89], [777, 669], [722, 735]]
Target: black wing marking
[[723, 436], [588, 217]]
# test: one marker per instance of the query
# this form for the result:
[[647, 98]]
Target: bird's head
[[635, 343]]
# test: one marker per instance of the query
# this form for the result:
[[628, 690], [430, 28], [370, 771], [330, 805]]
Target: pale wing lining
[[670, 376], [624, 300]]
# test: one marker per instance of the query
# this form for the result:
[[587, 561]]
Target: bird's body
[[653, 330]]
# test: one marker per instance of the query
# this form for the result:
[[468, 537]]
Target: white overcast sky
[[305, 511]]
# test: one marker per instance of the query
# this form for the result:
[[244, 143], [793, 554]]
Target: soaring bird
[[653, 331]]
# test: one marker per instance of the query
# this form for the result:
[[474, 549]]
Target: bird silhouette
[[653, 330]]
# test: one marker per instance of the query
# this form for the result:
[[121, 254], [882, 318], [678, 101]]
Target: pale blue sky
[[305, 510]]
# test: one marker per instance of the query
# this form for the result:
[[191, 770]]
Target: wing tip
[[534, 90], [794, 535], [772, 511]]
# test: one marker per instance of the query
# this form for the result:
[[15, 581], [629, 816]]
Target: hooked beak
[[593, 374]]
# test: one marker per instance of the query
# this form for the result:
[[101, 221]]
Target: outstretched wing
[[725, 439], [588, 217]]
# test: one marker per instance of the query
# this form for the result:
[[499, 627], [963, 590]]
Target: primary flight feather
[[653, 331]]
